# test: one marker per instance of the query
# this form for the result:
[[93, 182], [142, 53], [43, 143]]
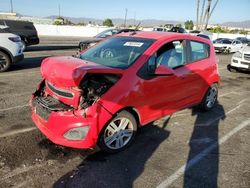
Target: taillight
[[15, 39]]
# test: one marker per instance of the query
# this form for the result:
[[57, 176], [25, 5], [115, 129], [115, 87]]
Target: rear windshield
[[117, 52]]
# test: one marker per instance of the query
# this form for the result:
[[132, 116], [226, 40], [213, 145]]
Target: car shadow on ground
[[27, 63], [116, 170], [50, 47], [203, 172]]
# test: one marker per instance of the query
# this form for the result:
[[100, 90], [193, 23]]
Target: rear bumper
[[32, 40], [18, 58]]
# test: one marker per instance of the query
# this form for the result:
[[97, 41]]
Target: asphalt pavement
[[186, 149]]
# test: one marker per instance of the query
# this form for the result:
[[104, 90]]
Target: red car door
[[166, 94]]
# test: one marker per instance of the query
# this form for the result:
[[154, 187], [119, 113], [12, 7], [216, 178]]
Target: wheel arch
[[134, 112], [6, 51]]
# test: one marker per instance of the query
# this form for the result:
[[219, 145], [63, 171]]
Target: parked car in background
[[24, 29], [86, 43], [244, 40], [161, 29], [177, 30], [227, 45], [10, 50], [240, 60], [204, 34], [121, 84]]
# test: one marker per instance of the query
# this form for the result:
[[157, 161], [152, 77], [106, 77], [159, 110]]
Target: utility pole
[[197, 13], [59, 10], [125, 19], [134, 18], [11, 6]]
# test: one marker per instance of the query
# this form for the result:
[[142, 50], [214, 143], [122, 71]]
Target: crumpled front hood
[[68, 71]]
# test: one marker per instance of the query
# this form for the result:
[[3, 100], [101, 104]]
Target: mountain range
[[146, 22]]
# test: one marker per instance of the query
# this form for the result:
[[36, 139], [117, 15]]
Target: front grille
[[41, 110], [245, 63], [59, 91], [45, 105], [247, 57]]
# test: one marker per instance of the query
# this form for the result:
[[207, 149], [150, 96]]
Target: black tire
[[5, 61], [207, 104], [231, 69], [131, 127], [24, 45]]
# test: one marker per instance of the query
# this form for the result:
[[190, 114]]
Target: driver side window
[[171, 54]]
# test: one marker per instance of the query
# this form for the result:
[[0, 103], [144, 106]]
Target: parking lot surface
[[187, 149]]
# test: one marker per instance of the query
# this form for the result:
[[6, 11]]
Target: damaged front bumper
[[72, 128]]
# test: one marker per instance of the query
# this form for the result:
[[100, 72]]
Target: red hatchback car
[[120, 84]]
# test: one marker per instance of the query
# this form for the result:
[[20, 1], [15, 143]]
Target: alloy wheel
[[211, 97], [3, 62], [118, 133]]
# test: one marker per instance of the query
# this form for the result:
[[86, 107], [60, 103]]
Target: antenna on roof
[[136, 28]]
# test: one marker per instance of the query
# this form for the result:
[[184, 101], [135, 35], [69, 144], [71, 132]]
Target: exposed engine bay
[[91, 88], [94, 86]]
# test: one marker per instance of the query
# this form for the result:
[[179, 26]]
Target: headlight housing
[[238, 55], [78, 133], [15, 39]]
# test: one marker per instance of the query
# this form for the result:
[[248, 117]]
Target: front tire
[[5, 62], [118, 133], [231, 69], [210, 98]]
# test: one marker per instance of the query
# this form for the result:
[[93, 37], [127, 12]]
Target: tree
[[243, 32], [189, 25], [178, 25], [205, 15], [59, 21], [108, 22], [219, 29], [81, 23], [68, 22]]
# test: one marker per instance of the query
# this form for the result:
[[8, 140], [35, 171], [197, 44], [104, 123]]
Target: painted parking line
[[11, 133], [14, 107], [240, 104], [22, 170], [167, 182]]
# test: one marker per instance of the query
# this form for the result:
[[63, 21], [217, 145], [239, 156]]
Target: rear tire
[[210, 98], [5, 61], [119, 133], [24, 45]]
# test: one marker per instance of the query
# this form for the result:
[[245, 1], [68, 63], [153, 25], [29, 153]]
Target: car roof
[[153, 34], [157, 35]]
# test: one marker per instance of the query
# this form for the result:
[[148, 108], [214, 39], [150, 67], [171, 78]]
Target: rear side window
[[199, 50]]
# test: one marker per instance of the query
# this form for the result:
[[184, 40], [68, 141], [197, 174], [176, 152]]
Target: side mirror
[[162, 70]]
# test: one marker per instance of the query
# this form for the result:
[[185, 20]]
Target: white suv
[[240, 60], [224, 45], [10, 50]]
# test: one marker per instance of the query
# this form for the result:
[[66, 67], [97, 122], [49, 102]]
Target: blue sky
[[180, 10]]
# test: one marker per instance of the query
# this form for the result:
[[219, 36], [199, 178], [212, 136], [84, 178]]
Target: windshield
[[117, 52], [107, 33]]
